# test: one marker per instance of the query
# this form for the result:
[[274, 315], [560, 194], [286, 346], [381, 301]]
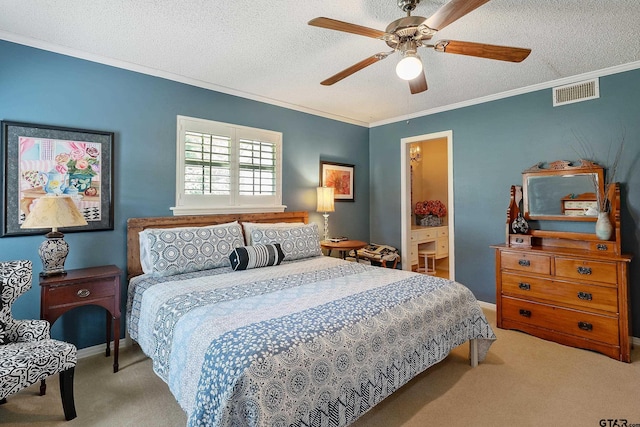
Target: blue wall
[[492, 144], [46, 88]]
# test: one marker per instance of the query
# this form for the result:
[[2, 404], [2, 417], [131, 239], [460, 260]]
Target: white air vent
[[576, 92]]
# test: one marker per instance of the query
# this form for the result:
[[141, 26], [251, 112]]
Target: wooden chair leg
[[66, 392], [43, 387]]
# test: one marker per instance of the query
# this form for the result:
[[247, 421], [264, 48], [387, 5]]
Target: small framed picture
[[341, 177], [41, 159]]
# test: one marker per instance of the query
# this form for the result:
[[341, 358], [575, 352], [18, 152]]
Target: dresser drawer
[[423, 234], [520, 240], [80, 292], [578, 295], [522, 261], [585, 325], [443, 232], [586, 270], [442, 247]]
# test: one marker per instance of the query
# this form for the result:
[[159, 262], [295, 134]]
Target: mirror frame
[[560, 168]]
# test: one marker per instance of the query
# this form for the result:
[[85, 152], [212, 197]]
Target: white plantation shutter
[[207, 164], [223, 168]]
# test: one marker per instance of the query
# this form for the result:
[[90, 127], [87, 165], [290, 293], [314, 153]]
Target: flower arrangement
[[82, 160], [430, 207]]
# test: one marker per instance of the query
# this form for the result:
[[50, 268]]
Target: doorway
[[427, 242]]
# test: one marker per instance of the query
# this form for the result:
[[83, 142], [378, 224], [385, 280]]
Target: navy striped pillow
[[246, 257]]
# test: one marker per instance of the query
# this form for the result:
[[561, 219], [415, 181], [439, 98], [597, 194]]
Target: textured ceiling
[[266, 51]]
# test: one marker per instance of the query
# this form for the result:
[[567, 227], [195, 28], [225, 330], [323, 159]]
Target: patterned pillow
[[249, 226], [169, 251], [297, 241], [246, 257]]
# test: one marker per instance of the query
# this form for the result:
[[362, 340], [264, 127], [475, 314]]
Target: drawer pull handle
[[602, 247], [584, 270], [585, 296], [585, 326], [525, 313], [524, 262], [83, 293], [524, 286], [519, 240]]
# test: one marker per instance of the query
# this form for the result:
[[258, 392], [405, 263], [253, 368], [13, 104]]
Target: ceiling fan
[[407, 34]]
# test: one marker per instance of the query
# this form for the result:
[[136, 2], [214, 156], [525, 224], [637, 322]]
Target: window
[[227, 168]]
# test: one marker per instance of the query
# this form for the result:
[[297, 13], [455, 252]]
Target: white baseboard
[[100, 349], [487, 305]]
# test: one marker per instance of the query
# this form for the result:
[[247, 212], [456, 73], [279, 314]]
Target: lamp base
[[53, 253], [326, 226]]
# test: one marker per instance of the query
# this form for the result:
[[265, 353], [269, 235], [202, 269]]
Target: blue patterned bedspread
[[316, 342]]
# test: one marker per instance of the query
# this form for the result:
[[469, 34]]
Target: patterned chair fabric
[[27, 353]]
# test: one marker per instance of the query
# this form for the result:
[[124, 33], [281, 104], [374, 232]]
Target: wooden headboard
[[136, 225]]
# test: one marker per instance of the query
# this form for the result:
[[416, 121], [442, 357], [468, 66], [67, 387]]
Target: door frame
[[405, 200]]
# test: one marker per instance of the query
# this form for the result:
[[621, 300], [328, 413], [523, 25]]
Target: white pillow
[[169, 251], [297, 240]]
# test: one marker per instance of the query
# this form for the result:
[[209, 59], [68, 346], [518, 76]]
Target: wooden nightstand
[[344, 247], [85, 286]]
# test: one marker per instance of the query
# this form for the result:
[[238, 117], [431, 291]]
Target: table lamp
[[325, 204], [53, 211]]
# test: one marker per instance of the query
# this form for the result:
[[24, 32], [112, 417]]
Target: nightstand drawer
[[80, 292]]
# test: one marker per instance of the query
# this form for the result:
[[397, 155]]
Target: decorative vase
[[603, 226], [520, 225], [431, 221], [419, 219], [81, 181]]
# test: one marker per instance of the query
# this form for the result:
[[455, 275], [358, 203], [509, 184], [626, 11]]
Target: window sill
[[189, 210]]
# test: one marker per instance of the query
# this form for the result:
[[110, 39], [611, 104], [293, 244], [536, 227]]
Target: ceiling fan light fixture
[[409, 66]]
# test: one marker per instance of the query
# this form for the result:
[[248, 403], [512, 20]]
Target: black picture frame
[[32, 153], [340, 176]]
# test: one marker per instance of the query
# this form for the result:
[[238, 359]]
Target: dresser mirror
[[562, 191]]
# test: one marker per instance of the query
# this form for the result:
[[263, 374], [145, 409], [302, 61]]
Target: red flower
[[431, 207]]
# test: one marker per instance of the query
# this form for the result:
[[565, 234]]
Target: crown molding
[[527, 89]]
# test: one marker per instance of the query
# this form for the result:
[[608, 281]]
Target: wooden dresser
[[566, 287]]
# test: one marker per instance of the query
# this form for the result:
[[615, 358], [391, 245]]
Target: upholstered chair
[[27, 352]]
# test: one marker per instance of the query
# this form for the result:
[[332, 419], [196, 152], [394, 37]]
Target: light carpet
[[524, 381]]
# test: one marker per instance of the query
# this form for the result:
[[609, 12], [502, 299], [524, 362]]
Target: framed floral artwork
[[341, 177], [40, 160]]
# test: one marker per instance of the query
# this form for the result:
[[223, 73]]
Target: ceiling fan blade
[[452, 11], [419, 84], [355, 67], [334, 24], [490, 51]]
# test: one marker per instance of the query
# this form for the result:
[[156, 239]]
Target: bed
[[309, 340]]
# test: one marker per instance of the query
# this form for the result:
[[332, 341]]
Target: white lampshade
[[409, 67], [325, 199], [54, 212]]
